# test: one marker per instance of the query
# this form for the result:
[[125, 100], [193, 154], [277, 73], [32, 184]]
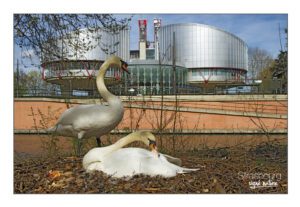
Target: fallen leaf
[[53, 174]]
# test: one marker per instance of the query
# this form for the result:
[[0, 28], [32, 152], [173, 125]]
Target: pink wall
[[46, 113]]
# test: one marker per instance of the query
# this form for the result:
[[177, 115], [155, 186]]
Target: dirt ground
[[34, 144], [241, 169]]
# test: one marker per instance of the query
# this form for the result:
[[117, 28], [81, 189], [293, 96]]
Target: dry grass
[[222, 170]]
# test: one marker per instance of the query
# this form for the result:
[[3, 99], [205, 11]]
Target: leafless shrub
[[42, 121]]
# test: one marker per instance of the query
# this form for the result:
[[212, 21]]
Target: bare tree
[[38, 34], [258, 60]]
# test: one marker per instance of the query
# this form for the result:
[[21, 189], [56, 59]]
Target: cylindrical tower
[[213, 56], [77, 69]]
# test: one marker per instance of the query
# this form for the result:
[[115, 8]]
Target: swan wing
[[84, 114], [125, 162], [90, 119], [131, 161], [173, 160]]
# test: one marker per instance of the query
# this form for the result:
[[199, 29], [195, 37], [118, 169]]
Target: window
[[194, 72], [205, 72]]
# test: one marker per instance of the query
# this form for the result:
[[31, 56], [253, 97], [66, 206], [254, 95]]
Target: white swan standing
[[93, 120], [126, 162]]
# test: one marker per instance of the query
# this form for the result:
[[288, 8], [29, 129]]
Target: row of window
[[151, 75], [213, 73], [90, 65]]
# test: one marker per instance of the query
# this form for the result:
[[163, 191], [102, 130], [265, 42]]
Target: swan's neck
[[124, 141], [97, 154], [107, 96]]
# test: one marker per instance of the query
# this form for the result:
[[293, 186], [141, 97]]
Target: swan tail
[[187, 170], [173, 160]]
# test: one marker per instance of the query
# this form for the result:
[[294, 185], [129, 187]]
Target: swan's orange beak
[[124, 66], [153, 148]]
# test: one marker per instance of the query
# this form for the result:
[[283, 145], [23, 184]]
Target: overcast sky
[[257, 30]]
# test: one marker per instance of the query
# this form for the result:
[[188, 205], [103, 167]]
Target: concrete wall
[[195, 115]]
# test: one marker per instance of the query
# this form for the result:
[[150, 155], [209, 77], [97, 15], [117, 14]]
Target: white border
[[138, 6]]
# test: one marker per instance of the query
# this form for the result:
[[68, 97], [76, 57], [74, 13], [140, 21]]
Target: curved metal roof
[[207, 26]]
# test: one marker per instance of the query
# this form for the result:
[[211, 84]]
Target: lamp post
[[17, 78], [131, 91]]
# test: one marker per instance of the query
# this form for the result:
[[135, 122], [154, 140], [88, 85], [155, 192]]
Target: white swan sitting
[[126, 162]]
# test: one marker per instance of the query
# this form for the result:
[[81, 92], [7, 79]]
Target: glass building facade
[[147, 77], [203, 54], [210, 54]]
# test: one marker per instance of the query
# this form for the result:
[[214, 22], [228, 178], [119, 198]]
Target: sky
[[257, 30]]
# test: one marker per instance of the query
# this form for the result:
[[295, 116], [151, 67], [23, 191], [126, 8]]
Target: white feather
[[127, 162]]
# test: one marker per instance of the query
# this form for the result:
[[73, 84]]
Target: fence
[[269, 87]]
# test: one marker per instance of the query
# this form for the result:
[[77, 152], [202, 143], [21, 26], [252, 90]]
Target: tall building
[[157, 25], [147, 76], [205, 56], [212, 56]]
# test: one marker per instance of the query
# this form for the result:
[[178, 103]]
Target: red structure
[[143, 30]]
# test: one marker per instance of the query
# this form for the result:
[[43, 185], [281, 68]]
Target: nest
[[224, 170]]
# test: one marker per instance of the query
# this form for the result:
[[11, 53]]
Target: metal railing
[[140, 91]]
